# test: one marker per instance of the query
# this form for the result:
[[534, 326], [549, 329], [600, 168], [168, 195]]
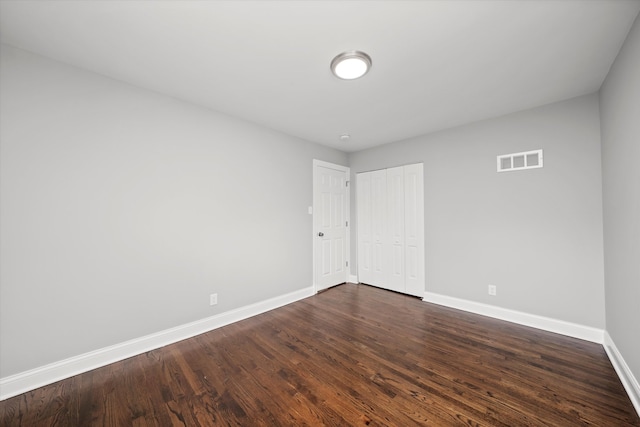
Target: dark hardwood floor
[[352, 355]]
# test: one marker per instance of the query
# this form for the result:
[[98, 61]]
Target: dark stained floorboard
[[352, 355]]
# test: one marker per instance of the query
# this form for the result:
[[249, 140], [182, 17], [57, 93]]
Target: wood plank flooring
[[352, 355]]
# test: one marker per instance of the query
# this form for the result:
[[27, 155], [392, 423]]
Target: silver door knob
[[321, 234]]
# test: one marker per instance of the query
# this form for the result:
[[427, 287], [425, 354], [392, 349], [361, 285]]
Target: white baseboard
[[627, 378], [29, 380], [352, 278], [575, 330]]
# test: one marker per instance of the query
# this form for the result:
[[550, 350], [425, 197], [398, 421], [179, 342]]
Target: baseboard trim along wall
[[574, 330], [627, 378], [352, 278], [29, 380]]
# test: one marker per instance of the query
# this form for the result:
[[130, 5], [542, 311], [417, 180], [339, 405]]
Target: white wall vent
[[520, 161]]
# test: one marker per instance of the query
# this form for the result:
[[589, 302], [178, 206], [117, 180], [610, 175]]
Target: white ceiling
[[436, 64]]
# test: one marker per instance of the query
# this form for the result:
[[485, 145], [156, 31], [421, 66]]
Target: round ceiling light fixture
[[345, 137], [351, 65]]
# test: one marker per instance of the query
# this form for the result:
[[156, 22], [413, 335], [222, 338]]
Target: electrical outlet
[[492, 290], [213, 299]]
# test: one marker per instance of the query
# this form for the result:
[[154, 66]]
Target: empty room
[[339, 213]]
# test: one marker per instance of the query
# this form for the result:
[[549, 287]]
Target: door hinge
[[346, 223], [347, 262], [346, 183]]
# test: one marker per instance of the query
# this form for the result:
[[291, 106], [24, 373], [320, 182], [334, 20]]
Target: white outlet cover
[[213, 299]]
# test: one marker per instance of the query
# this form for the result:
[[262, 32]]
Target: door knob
[[321, 234]]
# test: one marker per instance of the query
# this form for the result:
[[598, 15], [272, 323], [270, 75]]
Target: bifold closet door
[[391, 229], [379, 269], [394, 247], [372, 227], [365, 237], [414, 229]]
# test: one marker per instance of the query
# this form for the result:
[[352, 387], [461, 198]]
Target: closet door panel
[[365, 237], [379, 262], [414, 229], [394, 245]]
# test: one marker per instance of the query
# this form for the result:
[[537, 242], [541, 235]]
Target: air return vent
[[520, 161]]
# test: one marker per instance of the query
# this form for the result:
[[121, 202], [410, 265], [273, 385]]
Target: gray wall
[[620, 116], [536, 234], [122, 210]]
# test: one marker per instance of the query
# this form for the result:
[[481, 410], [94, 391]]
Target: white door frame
[[347, 171]]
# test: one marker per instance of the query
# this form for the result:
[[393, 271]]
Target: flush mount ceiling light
[[351, 65], [345, 137]]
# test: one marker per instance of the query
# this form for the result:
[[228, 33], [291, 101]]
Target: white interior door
[[330, 216], [379, 270], [365, 237], [395, 224], [414, 229]]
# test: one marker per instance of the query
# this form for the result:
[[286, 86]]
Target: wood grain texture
[[352, 355]]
